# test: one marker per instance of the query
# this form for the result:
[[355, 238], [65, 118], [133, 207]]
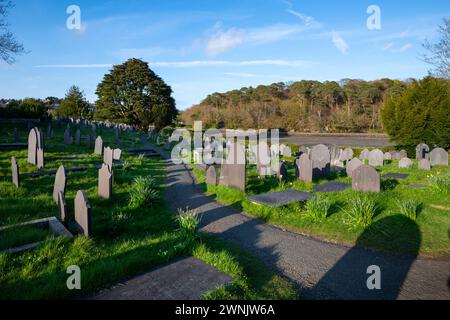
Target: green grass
[[432, 216], [21, 235], [126, 240]]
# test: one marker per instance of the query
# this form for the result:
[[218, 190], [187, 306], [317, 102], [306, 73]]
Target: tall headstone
[[116, 136], [366, 179], [32, 146], [233, 173], [15, 172], [211, 176], [60, 183], [422, 151], [82, 213], [438, 157], [352, 165], [105, 182], [40, 158], [321, 158], [405, 163], [108, 157], [424, 164], [67, 138], [305, 168], [77, 137], [98, 146], [376, 158], [87, 141]]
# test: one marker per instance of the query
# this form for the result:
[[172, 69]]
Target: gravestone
[[280, 198], [387, 156], [286, 151], [98, 146], [60, 183], [346, 155], [305, 168], [376, 158], [352, 165], [424, 164], [320, 157], [366, 179], [32, 146], [116, 136], [396, 176], [40, 158], [233, 172], [67, 138], [105, 181], [117, 154], [62, 206], [211, 176], [87, 141], [77, 137], [422, 151], [438, 157], [15, 172], [405, 163], [282, 172], [82, 213], [108, 156], [364, 155], [402, 154]]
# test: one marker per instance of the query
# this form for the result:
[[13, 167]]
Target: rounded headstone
[[376, 158], [320, 157], [424, 164], [422, 151], [352, 165], [60, 183], [405, 163], [366, 179], [439, 157]]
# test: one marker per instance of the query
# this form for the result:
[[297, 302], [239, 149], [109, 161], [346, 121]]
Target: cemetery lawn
[[433, 218], [125, 241]]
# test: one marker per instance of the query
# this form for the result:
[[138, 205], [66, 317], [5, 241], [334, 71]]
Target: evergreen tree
[[74, 104]]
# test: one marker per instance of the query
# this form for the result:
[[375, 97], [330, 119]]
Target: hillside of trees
[[303, 106]]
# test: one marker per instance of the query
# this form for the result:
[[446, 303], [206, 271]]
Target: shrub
[[143, 192], [361, 210], [317, 208], [188, 221], [441, 183], [409, 208]]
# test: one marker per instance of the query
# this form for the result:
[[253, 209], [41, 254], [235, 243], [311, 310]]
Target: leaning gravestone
[[422, 151], [424, 164], [305, 168], [15, 172], [366, 179], [439, 157], [233, 172], [60, 183], [320, 157], [405, 163], [82, 213], [105, 182], [211, 176], [352, 165], [98, 146], [376, 158], [108, 156], [77, 137], [62, 205]]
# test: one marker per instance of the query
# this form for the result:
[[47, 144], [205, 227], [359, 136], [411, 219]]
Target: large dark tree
[[133, 94], [419, 114], [9, 47], [74, 104]]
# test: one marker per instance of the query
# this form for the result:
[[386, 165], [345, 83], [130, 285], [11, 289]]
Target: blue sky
[[199, 46]]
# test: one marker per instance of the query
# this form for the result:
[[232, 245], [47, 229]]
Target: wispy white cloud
[[339, 42], [391, 47], [404, 48], [305, 19], [197, 63]]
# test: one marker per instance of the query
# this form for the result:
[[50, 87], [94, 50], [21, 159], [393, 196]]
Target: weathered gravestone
[[280, 198], [387, 156], [87, 141], [366, 179], [108, 156], [77, 137], [405, 163], [424, 164], [305, 168], [40, 158], [60, 183], [82, 213], [364, 155], [346, 155], [67, 137], [233, 172], [105, 181], [376, 158], [285, 151], [32, 147], [422, 151], [320, 157], [439, 157], [211, 176], [15, 172], [402, 154], [98, 146], [117, 154], [62, 206], [352, 165]]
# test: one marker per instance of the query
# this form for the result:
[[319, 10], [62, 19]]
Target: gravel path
[[322, 270]]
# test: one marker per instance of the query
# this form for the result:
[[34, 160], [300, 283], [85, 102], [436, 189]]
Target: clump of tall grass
[[409, 208], [139, 160], [188, 222], [143, 192], [317, 208], [441, 183], [360, 210]]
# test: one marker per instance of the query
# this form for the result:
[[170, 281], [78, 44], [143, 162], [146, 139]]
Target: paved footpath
[[322, 270]]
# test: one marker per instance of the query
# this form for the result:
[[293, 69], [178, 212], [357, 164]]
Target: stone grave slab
[[280, 198], [395, 176], [332, 186]]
